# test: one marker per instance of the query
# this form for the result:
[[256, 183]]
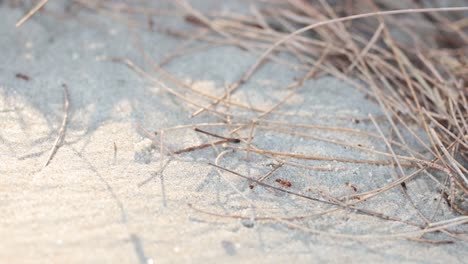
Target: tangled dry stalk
[[412, 62]]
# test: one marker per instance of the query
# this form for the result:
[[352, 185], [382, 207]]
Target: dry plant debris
[[63, 126], [412, 62]]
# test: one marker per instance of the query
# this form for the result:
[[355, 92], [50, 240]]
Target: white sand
[[91, 206]]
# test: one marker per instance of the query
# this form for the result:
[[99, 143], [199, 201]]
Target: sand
[[103, 198]]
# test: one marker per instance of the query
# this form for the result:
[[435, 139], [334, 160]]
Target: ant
[[284, 182]]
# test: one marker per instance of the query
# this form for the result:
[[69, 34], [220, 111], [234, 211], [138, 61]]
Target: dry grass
[[422, 74], [413, 63]]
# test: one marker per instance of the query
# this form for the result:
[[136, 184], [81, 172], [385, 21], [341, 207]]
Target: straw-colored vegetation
[[412, 62]]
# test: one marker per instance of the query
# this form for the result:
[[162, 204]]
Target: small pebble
[[247, 223]]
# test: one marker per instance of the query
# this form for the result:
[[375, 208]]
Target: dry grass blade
[[63, 126], [31, 13]]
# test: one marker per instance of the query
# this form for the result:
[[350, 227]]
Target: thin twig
[[227, 139], [202, 146]]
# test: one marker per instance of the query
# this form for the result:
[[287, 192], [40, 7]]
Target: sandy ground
[[93, 204]]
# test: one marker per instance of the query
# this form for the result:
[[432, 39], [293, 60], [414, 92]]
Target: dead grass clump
[[413, 65]]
